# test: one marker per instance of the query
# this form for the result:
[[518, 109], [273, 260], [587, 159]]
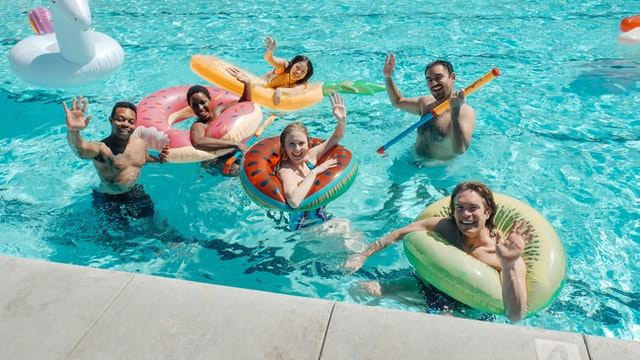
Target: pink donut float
[[161, 110]]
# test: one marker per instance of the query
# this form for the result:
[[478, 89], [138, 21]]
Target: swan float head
[[76, 12]]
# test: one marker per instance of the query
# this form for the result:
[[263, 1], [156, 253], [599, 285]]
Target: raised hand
[[240, 75], [389, 66], [75, 116], [337, 102], [519, 236], [269, 43]]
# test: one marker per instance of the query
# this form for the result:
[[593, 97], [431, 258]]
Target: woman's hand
[[389, 66], [277, 94], [510, 249], [239, 75], [319, 169], [269, 43], [339, 110]]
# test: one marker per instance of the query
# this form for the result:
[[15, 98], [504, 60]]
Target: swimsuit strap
[[310, 165], [275, 76], [306, 218]]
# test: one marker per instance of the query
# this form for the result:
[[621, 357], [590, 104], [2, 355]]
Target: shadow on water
[[602, 305], [581, 137], [91, 237], [607, 77], [84, 234], [413, 182]]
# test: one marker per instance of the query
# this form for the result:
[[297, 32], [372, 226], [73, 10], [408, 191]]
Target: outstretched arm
[[205, 143], [463, 121], [356, 261], [514, 271], [410, 105], [278, 64], [75, 122], [295, 193]]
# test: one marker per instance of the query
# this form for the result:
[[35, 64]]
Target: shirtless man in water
[[119, 157], [471, 228], [447, 135]]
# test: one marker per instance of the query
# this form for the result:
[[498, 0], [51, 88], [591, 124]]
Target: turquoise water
[[558, 130]]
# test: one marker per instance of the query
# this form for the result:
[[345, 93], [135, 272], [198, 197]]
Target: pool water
[[558, 130]]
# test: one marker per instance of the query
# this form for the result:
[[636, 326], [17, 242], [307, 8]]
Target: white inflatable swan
[[72, 55]]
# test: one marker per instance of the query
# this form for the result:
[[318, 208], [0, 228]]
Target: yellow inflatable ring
[[214, 70], [476, 284]]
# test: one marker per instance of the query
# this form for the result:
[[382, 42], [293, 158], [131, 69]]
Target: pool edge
[[53, 310]]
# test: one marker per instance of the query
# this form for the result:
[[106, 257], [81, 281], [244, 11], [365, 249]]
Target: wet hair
[[444, 63], [297, 59], [123, 104], [487, 198], [294, 126], [195, 89]]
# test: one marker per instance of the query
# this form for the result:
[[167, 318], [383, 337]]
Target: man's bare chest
[[436, 128]]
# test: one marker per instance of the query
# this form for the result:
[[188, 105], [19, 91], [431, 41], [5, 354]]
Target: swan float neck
[[72, 19]]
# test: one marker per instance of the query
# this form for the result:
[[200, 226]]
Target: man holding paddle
[[447, 134]]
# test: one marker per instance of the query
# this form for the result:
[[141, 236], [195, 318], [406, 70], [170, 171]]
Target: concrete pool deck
[[58, 311]]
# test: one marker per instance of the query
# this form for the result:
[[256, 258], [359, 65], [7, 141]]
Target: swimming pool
[[558, 130]]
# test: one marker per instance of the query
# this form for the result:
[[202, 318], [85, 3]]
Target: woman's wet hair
[[292, 127], [195, 89], [301, 58], [487, 198]]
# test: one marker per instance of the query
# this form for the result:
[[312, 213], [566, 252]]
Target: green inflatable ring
[[476, 284]]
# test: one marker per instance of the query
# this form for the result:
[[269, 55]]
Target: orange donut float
[[259, 179]]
